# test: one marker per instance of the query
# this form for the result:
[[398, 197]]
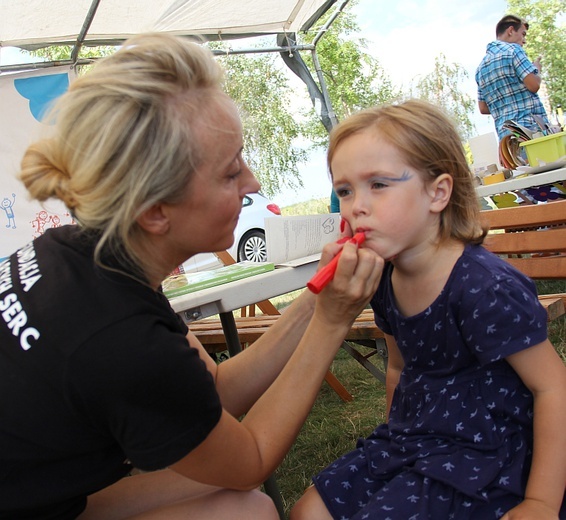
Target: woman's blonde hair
[[429, 143], [124, 137]]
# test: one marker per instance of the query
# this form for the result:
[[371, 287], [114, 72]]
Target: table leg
[[231, 333]]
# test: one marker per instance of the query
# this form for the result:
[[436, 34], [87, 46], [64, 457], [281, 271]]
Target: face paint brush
[[321, 279]]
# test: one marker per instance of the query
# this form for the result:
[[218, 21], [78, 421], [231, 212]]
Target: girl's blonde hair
[[430, 144], [125, 137]]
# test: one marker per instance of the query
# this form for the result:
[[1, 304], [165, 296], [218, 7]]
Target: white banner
[[24, 98]]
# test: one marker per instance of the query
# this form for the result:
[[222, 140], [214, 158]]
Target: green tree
[[271, 132], [441, 87], [262, 92], [355, 79], [277, 135], [546, 38]]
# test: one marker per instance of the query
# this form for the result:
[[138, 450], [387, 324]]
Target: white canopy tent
[[35, 24], [101, 22]]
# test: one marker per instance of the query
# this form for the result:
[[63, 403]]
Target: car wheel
[[252, 247]]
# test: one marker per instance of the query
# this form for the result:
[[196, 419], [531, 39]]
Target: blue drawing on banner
[[7, 205], [41, 91]]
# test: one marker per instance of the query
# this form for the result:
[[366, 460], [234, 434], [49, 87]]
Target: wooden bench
[[250, 328], [364, 331], [530, 237]]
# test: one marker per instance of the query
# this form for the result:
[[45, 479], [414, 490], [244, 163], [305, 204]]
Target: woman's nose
[[250, 184]]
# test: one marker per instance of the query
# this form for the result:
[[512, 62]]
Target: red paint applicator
[[321, 279]]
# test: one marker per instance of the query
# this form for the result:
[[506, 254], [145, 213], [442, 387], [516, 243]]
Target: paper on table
[[290, 238], [301, 261]]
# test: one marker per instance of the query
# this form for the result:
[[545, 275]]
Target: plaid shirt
[[500, 77]]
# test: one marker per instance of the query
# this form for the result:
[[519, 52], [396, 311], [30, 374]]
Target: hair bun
[[43, 176]]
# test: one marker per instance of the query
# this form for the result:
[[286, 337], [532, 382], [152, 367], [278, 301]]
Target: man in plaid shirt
[[507, 80]]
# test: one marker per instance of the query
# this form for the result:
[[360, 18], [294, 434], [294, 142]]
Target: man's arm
[[484, 109], [532, 82]]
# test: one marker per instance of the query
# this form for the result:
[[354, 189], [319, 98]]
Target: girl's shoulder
[[478, 263]]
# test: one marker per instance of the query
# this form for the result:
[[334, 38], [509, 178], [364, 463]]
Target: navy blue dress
[[459, 438]]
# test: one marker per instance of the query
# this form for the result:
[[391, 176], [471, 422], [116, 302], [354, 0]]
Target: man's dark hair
[[509, 20]]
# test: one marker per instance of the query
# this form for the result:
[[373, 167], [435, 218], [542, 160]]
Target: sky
[[406, 37]]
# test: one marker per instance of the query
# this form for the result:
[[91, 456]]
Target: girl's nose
[[360, 204]]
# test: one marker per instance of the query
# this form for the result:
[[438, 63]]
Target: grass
[[333, 426]]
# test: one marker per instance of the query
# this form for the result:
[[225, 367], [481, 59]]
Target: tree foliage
[[354, 78], [546, 38], [262, 92], [440, 87]]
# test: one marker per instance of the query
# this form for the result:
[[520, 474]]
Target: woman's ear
[[440, 191], [154, 220]]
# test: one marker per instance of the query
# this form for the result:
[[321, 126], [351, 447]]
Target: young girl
[[476, 394]]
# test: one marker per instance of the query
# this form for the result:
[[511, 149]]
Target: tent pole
[[84, 30], [324, 90]]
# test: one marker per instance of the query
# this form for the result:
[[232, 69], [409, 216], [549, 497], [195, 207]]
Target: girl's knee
[[310, 507], [260, 502], [241, 505]]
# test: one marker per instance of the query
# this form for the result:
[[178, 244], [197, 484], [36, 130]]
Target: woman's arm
[[395, 365], [544, 373], [242, 379], [241, 455]]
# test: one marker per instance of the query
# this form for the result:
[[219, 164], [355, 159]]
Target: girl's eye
[[377, 185], [342, 192]]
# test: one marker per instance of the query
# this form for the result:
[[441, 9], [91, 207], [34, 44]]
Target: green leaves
[[547, 38], [271, 131], [440, 87]]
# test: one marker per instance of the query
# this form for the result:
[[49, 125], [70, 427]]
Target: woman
[[96, 373]]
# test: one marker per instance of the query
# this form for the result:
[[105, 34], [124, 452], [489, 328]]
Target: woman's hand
[[356, 279]]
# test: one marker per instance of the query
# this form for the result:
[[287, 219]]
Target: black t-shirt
[[96, 375]]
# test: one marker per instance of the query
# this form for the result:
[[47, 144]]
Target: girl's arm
[[544, 373], [395, 364]]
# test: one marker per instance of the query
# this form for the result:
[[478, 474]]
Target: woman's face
[[206, 218]]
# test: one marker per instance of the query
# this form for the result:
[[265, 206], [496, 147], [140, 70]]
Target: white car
[[249, 236]]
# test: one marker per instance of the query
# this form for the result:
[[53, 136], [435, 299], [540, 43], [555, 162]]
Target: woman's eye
[[236, 169]]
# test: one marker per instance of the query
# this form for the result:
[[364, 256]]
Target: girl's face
[[206, 218], [382, 196]]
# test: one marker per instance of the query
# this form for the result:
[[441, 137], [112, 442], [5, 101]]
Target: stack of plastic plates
[[510, 153]]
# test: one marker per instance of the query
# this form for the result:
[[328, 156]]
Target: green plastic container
[[544, 150]]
